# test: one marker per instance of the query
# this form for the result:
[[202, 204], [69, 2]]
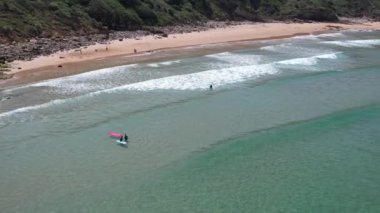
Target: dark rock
[[4, 76], [245, 14], [317, 14]]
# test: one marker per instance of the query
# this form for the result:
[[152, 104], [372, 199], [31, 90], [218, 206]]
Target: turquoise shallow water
[[327, 164], [291, 126]]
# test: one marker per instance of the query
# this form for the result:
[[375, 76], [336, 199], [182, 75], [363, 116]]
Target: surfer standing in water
[[210, 86], [122, 142]]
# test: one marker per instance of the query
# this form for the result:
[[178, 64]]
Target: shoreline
[[156, 48]]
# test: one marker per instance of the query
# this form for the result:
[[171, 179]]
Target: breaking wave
[[356, 43], [309, 60], [165, 63], [236, 59]]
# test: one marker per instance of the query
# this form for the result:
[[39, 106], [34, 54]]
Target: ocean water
[[291, 125]]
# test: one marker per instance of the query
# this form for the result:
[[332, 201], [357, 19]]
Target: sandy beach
[[158, 48]]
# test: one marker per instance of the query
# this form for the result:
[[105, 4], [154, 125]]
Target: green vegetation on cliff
[[21, 19]]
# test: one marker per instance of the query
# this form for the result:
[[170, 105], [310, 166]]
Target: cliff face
[[22, 19]]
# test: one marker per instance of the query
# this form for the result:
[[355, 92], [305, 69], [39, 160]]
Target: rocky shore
[[3, 69], [45, 46]]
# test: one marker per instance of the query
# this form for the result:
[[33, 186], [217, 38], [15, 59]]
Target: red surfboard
[[114, 134]]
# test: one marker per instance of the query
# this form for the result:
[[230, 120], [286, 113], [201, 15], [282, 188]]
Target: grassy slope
[[21, 19]]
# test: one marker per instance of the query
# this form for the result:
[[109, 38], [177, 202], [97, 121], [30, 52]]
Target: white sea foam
[[220, 55], [101, 73], [300, 61], [308, 37], [289, 48], [275, 47], [193, 81], [153, 65], [236, 59], [331, 35], [201, 80], [85, 82], [360, 30], [355, 43], [30, 108], [329, 56], [317, 37], [309, 61], [165, 63]]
